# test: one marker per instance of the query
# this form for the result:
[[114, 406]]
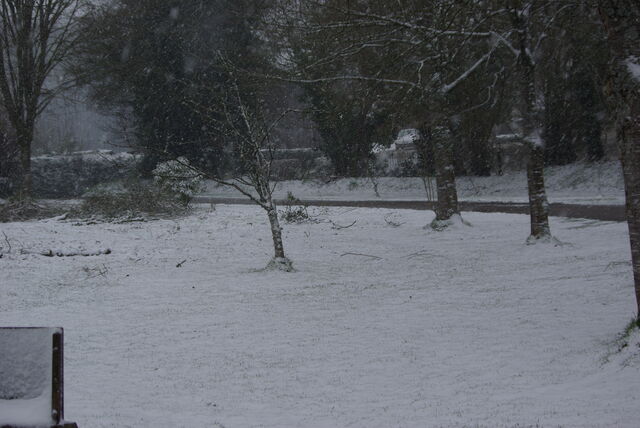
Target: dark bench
[[31, 378]]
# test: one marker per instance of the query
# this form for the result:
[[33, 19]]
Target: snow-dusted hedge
[[68, 176], [178, 176]]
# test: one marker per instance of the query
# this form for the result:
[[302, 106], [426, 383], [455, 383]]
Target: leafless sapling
[[249, 133]]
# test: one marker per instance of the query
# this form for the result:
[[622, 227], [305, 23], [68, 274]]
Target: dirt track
[[595, 212]]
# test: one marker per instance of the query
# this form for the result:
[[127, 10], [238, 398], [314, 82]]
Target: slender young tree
[[35, 37], [247, 126], [174, 66], [621, 20]]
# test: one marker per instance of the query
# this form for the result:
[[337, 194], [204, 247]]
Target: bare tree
[[248, 128], [35, 37], [621, 19], [523, 27], [417, 54], [526, 49], [431, 51]]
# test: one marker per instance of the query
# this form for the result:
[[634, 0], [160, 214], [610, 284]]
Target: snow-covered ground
[[380, 326], [579, 183]]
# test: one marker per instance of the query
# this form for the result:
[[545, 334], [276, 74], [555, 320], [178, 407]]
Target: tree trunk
[[279, 261], [447, 204], [276, 232], [531, 126], [630, 159], [24, 143], [538, 205], [621, 19]]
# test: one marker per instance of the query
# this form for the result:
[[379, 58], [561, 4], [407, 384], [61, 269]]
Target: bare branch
[[337, 226], [361, 255]]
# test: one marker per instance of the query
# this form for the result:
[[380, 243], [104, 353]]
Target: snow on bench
[[31, 378]]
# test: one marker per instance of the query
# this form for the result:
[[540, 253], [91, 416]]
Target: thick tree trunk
[[630, 159], [538, 205], [531, 129], [531, 126], [621, 19], [447, 204], [25, 167], [24, 139]]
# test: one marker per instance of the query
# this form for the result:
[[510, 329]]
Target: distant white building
[[402, 154]]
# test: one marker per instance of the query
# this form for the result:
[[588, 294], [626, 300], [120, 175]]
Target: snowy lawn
[[380, 326]]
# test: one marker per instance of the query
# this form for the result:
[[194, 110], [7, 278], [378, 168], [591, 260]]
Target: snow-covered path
[[578, 183], [379, 326]]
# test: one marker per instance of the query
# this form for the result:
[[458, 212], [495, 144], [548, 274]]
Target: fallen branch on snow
[[6, 239], [422, 253], [361, 255], [51, 253], [338, 226]]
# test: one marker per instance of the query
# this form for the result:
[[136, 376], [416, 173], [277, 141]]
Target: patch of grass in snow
[[626, 347], [295, 211], [27, 209], [625, 337]]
